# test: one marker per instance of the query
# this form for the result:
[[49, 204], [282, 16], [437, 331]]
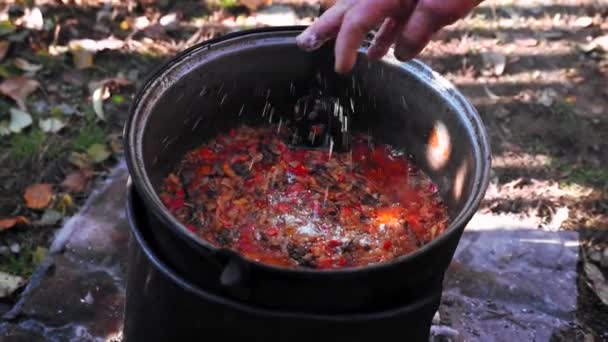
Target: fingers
[[428, 17], [324, 28], [384, 38], [417, 32], [357, 22]]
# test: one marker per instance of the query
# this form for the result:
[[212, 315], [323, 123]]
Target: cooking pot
[[163, 305], [228, 81]]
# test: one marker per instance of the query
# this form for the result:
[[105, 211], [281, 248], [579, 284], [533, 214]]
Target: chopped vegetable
[[250, 191]]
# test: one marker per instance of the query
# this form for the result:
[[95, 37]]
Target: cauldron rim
[[417, 68]]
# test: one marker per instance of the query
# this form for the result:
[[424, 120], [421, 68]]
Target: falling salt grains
[[251, 164], [271, 114], [352, 104], [326, 195], [88, 299], [196, 123], [331, 147], [294, 138], [279, 126], [241, 111], [203, 91], [405, 106], [223, 99], [292, 88]]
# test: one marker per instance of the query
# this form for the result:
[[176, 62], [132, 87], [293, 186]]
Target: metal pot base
[[162, 305]]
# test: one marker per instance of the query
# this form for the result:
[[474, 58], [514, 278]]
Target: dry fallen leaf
[[597, 281], [51, 125], [4, 45], [25, 65], [4, 128], [491, 95], [547, 97], [8, 223], [98, 153], [98, 96], [64, 203], [49, 218], [601, 42], [19, 120], [38, 196], [495, 60], [583, 22], [77, 181], [83, 51], [9, 283], [19, 88], [33, 19], [79, 160], [110, 43]]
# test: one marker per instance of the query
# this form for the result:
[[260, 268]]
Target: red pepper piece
[[299, 170], [272, 231], [283, 207], [191, 228], [294, 189], [175, 204], [206, 153], [324, 263], [246, 240], [387, 245], [342, 262], [316, 208], [333, 243]]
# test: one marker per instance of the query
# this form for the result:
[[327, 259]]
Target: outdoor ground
[[536, 70]]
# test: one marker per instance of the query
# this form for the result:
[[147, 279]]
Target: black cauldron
[[224, 82], [163, 305]]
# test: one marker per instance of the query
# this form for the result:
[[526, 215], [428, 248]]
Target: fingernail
[[309, 41]]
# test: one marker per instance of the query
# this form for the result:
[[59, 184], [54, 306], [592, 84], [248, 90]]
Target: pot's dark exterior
[[218, 84], [164, 306]]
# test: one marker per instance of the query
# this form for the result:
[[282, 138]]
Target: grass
[[579, 175], [593, 176], [24, 263], [89, 135], [26, 146]]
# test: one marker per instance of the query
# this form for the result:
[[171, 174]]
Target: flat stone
[[74, 293], [78, 292], [510, 284]]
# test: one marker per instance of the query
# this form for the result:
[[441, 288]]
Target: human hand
[[409, 24]]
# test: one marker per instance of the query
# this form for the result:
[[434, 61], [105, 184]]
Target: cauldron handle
[[234, 276]]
